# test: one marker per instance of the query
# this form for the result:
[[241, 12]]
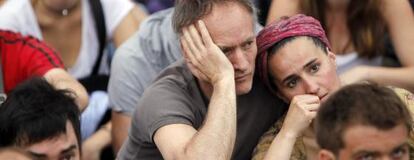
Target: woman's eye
[[314, 68], [292, 83]]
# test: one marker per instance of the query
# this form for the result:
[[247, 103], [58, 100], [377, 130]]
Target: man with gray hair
[[209, 106], [150, 50]]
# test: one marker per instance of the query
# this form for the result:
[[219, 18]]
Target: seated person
[[23, 57], [297, 65], [69, 27], [350, 126], [217, 109], [42, 120], [357, 31], [136, 64]]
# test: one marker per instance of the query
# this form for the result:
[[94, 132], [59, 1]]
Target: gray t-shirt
[[140, 59], [175, 98]]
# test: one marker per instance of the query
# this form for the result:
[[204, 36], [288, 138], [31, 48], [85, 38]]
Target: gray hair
[[187, 12]]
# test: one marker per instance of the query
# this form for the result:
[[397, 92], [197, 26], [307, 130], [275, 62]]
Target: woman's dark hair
[[365, 23]]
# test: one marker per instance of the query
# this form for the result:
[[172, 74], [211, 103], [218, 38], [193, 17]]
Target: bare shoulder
[[391, 10], [280, 8]]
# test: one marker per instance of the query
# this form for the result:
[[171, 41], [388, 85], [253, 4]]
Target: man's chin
[[243, 88]]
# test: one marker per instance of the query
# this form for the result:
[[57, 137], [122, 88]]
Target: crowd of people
[[206, 79]]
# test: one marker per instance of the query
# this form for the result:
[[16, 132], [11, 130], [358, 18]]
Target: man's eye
[[399, 153], [247, 45], [68, 157], [314, 68], [292, 83], [226, 51], [366, 157]]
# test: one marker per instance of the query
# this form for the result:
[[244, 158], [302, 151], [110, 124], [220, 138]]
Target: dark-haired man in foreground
[[42, 120], [350, 126]]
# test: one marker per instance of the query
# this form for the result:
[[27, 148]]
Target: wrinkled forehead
[[230, 24], [361, 138]]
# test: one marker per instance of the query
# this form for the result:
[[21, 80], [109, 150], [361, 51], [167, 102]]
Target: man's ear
[[325, 155]]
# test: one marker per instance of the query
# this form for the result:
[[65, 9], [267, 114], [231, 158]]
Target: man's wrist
[[224, 82]]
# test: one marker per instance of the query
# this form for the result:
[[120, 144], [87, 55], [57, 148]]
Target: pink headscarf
[[298, 25]]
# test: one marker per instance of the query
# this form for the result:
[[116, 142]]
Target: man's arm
[[126, 85], [215, 139], [93, 146], [60, 79], [280, 8], [120, 126], [128, 25]]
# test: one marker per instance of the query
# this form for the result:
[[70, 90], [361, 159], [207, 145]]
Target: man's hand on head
[[204, 58]]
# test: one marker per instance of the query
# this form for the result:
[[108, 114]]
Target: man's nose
[[239, 60]]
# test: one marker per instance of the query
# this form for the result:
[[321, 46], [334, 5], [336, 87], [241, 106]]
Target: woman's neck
[[337, 31], [337, 5], [42, 9]]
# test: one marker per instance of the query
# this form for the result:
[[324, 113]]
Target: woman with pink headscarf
[[296, 63]]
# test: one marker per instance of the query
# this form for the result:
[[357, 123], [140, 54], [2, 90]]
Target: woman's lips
[[324, 97]]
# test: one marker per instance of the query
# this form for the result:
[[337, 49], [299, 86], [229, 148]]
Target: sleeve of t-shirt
[[36, 58], [161, 105], [115, 11], [25, 57], [9, 19], [137, 62], [131, 73]]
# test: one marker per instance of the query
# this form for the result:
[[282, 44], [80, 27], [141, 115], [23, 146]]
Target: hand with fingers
[[204, 58], [302, 111]]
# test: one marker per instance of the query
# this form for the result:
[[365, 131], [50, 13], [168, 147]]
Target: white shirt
[[18, 16], [350, 60]]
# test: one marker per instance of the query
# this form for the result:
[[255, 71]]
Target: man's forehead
[[363, 137], [221, 9], [232, 43], [230, 22]]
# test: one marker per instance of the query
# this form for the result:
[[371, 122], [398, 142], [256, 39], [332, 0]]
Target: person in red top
[[23, 57]]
